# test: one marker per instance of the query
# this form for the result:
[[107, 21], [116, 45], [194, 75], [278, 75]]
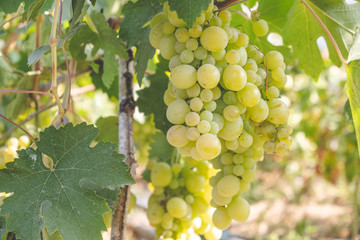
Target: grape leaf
[[189, 10], [113, 91], [336, 15], [150, 99], [48, 184], [108, 129], [79, 41], [10, 6], [112, 46], [2, 226], [354, 53], [34, 9], [160, 148], [135, 31]]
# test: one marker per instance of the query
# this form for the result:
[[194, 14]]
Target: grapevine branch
[[326, 30], [126, 111], [24, 91], [22, 129]]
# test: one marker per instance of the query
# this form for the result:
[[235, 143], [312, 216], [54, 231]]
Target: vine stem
[[22, 129], [24, 91], [326, 30]]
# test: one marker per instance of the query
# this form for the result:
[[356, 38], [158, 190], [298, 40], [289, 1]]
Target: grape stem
[[24, 91], [22, 129], [326, 31]]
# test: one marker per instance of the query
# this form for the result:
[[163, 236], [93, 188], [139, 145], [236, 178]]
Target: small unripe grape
[[195, 31], [219, 55], [187, 56], [243, 40], [168, 28], [238, 170], [192, 134], [192, 44], [274, 59], [206, 115], [210, 106], [200, 53], [206, 95], [232, 57], [215, 21], [204, 126], [260, 27], [225, 16], [179, 47], [209, 60], [192, 119], [196, 104]]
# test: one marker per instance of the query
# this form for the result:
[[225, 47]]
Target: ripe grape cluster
[[224, 103], [8, 152]]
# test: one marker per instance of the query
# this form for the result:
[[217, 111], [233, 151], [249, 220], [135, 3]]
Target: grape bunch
[[179, 207], [223, 99], [8, 152]]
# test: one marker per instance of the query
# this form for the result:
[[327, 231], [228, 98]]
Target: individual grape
[[177, 111], [200, 205], [248, 163], [269, 146], [234, 36], [232, 145], [283, 133], [200, 53], [216, 93], [167, 46], [179, 47], [254, 53], [155, 36], [272, 92], [231, 113], [192, 134], [232, 57], [175, 20], [274, 59], [200, 20], [187, 56], [180, 93], [234, 77], [183, 76], [229, 98], [226, 158], [225, 16], [209, 60], [176, 136], [192, 44], [249, 175], [260, 28], [251, 65], [174, 62], [243, 57], [176, 207], [239, 209], [243, 40], [206, 115], [219, 55], [195, 183], [195, 31], [259, 112], [215, 21], [214, 39], [168, 98], [238, 170], [161, 174], [249, 95], [167, 28], [228, 31], [281, 148], [278, 76], [158, 18], [231, 130], [208, 146], [208, 76], [238, 159], [192, 119], [228, 186], [217, 118], [206, 95], [262, 73], [196, 104], [245, 139], [251, 76], [218, 199], [204, 126], [278, 111], [155, 213], [193, 91], [210, 106]]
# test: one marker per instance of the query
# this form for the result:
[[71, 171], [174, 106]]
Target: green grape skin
[[199, 206], [221, 219], [158, 18], [214, 39], [229, 98], [245, 139], [206, 95], [278, 111], [175, 20], [195, 31], [208, 146], [249, 96], [161, 174], [208, 76], [228, 186], [243, 40], [167, 46], [155, 36], [176, 136], [272, 92], [232, 57], [274, 59], [218, 199], [204, 126], [206, 115], [260, 28], [195, 183], [187, 56], [231, 113], [192, 44], [234, 77], [179, 47], [219, 55], [259, 112], [192, 119], [183, 76], [155, 213], [176, 207], [192, 134], [196, 104], [177, 111], [238, 170], [168, 28], [239, 209], [174, 62], [225, 16], [200, 53], [249, 175], [231, 130]]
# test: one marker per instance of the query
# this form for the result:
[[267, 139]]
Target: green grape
[[260, 28], [218, 199], [217, 118], [195, 31], [210, 106], [209, 60], [231, 113], [228, 186], [234, 37], [161, 174], [216, 93], [251, 76], [189, 198], [244, 187], [204, 126], [219, 55], [195, 63], [200, 206], [155, 36], [232, 145], [192, 44], [238, 159], [274, 59], [158, 18], [259, 112], [226, 158], [177, 111], [200, 20], [187, 56], [243, 57], [208, 76], [231, 130], [192, 134], [183, 76], [154, 213], [206, 115], [238, 170], [192, 119], [179, 47], [251, 65], [254, 53], [272, 92], [193, 91], [180, 93], [221, 218], [262, 73], [249, 95], [167, 46], [278, 76], [243, 40], [234, 77], [196, 104], [176, 207], [249, 175], [248, 163], [215, 21], [283, 133], [278, 111], [176, 168], [175, 20], [225, 16], [269, 146], [245, 139], [281, 148], [208, 146], [239, 209], [168, 28], [174, 62], [200, 53], [214, 39], [195, 183], [229, 98], [228, 31], [214, 128], [232, 57], [206, 95], [176, 136]]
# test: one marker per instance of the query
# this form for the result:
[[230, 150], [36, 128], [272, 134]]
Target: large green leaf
[[354, 53], [53, 186], [10, 6], [108, 129], [112, 46], [135, 31], [150, 99], [78, 43], [189, 10]]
